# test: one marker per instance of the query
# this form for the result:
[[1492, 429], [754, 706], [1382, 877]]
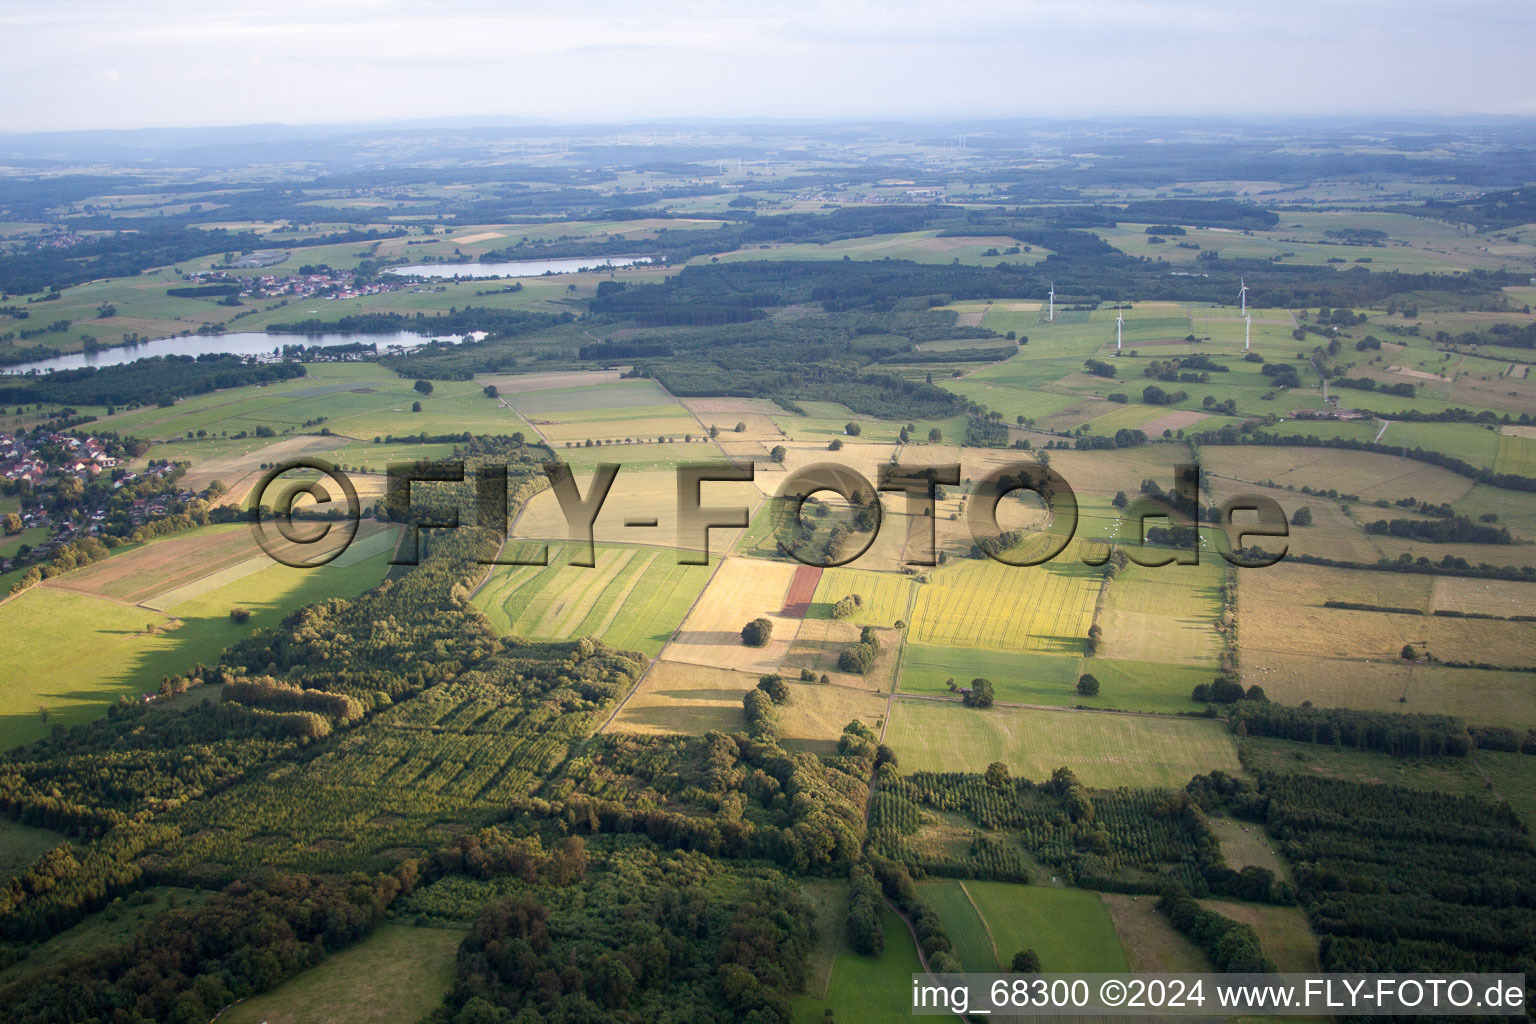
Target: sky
[[77, 64]]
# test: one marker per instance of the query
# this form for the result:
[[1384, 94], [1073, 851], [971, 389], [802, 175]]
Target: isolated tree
[[1026, 961], [490, 391], [996, 775], [980, 695], [1302, 517], [935, 434], [835, 445], [13, 524], [424, 386], [1409, 654], [1087, 685], [741, 428], [240, 615], [852, 429], [757, 633], [778, 453], [1120, 500], [416, 407]]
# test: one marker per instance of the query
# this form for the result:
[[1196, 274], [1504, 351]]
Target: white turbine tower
[[1051, 315], [1247, 331], [1242, 294], [1119, 323]]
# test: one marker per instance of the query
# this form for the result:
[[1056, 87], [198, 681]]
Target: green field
[[1045, 608], [1069, 928], [1105, 750], [73, 654], [394, 976], [632, 599], [867, 989], [964, 926]]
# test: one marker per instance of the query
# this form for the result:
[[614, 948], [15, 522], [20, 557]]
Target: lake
[[524, 268], [247, 343]]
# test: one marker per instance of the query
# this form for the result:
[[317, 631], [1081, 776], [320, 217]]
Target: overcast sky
[[77, 64]]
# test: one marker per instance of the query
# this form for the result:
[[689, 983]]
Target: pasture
[[867, 989], [1167, 614], [1366, 474], [1284, 934], [396, 974], [1105, 749], [633, 599], [1070, 928], [984, 603], [1151, 944]]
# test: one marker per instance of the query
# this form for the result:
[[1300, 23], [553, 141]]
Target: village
[[29, 463]]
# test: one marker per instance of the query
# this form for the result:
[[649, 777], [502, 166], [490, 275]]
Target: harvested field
[[1179, 419], [742, 590], [675, 698], [819, 643], [163, 564], [637, 495]]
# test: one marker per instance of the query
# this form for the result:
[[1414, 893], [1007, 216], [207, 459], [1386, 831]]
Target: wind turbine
[[1247, 330], [1119, 323], [1242, 293], [1051, 315]]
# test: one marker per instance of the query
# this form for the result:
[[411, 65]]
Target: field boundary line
[[997, 954], [890, 701]]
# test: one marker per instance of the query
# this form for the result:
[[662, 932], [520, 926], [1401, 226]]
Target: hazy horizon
[[86, 65]]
